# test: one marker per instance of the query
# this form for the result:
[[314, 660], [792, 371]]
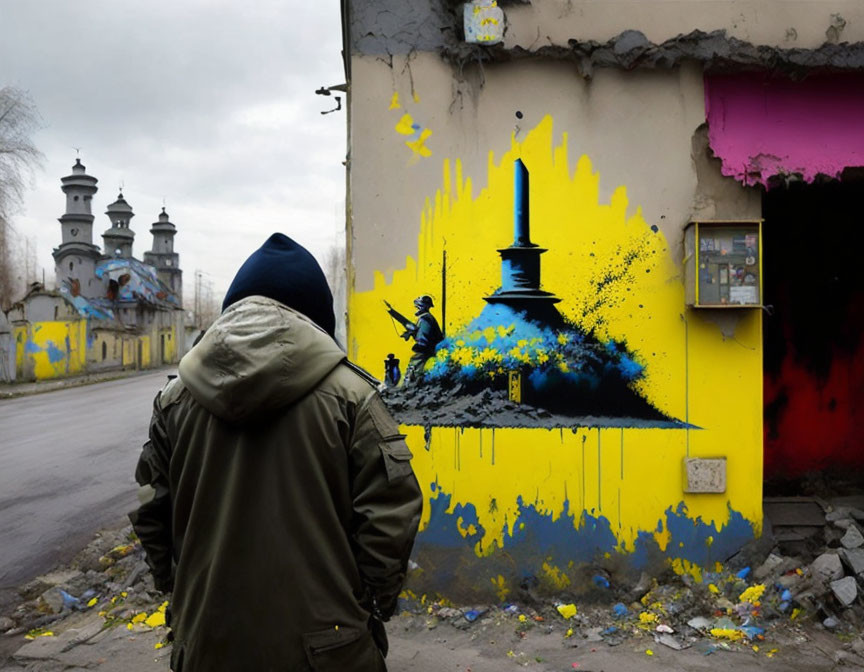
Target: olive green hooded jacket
[[285, 506]]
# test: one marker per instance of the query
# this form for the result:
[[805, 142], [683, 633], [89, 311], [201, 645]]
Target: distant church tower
[[75, 259], [119, 236], [163, 257]]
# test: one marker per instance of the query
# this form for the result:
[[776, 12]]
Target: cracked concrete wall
[[392, 27], [782, 23]]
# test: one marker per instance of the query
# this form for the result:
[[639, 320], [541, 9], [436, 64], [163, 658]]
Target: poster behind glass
[[729, 265]]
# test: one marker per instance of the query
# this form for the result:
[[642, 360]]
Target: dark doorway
[[814, 365], [162, 349]]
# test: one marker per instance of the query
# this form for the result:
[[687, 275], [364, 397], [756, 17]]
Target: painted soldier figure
[[426, 334]]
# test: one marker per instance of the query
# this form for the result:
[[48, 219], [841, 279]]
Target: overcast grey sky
[[207, 103]]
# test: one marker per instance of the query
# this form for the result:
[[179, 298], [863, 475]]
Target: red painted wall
[[814, 354]]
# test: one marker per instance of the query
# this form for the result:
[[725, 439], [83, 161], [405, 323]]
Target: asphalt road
[[67, 460]]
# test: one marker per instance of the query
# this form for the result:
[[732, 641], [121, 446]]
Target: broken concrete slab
[[827, 567], [771, 565], [794, 511], [853, 538], [854, 559], [845, 590]]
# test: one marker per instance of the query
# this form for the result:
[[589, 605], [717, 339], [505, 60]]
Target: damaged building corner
[[503, 183]]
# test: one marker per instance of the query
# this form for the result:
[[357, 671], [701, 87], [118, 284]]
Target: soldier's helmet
[[423, 302]]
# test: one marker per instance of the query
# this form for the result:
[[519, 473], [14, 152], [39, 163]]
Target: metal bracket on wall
[[327, 90]]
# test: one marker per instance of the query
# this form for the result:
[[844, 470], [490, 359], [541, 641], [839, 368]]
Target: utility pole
[[198, 275]]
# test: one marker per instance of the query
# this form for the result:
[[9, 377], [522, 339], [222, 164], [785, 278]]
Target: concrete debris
[[752, 607], [772, 563], [844, 512], [846, 590], [854, 559], [632, 49], [830, 623], [668, 640], [853, 538], [827, 567]]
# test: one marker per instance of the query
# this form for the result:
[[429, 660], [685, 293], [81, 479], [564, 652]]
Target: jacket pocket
[[397, 458], [343, 650]]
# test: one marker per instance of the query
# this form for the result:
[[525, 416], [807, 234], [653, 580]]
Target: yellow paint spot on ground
[[752, 594], [394, 101], [567, 610], [155, 619], [727, 633]]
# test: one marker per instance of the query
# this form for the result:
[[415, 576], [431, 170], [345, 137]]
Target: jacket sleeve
[[386, 503], [152, 520]]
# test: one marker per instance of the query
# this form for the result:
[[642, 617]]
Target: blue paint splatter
[[688, 538], [31, 348], [539, 536], [443, 530], [55, 354]]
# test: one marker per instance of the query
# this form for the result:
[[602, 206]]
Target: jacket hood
[[259, 355]]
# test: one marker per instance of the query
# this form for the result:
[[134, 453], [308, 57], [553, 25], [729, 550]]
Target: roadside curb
[[9, 391]]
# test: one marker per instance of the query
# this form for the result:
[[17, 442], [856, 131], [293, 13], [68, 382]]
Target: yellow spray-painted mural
[[534, 488], [51, 349]]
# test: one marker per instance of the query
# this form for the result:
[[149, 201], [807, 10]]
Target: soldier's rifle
[[410, 327]]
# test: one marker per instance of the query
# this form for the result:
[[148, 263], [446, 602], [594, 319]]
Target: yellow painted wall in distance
[[47, 350], [618, 280]]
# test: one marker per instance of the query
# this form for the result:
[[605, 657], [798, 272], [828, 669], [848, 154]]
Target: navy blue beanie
[[285, 271]]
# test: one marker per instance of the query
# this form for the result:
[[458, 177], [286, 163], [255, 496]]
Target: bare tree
[[19, 157], [19, 119], [208, 303]]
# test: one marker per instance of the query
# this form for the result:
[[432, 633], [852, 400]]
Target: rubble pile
[[107, 591], [782, 599]]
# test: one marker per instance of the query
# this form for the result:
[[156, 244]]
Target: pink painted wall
[[761, 125]]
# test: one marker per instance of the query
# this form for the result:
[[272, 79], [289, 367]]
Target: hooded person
[[283, 506]]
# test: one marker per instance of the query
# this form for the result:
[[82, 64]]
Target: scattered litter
[[671, 642], [752, 594], [744, 573], [699, 623], [600, 581], [727, 633], [620, 610], [567, 610], [664, 628]]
